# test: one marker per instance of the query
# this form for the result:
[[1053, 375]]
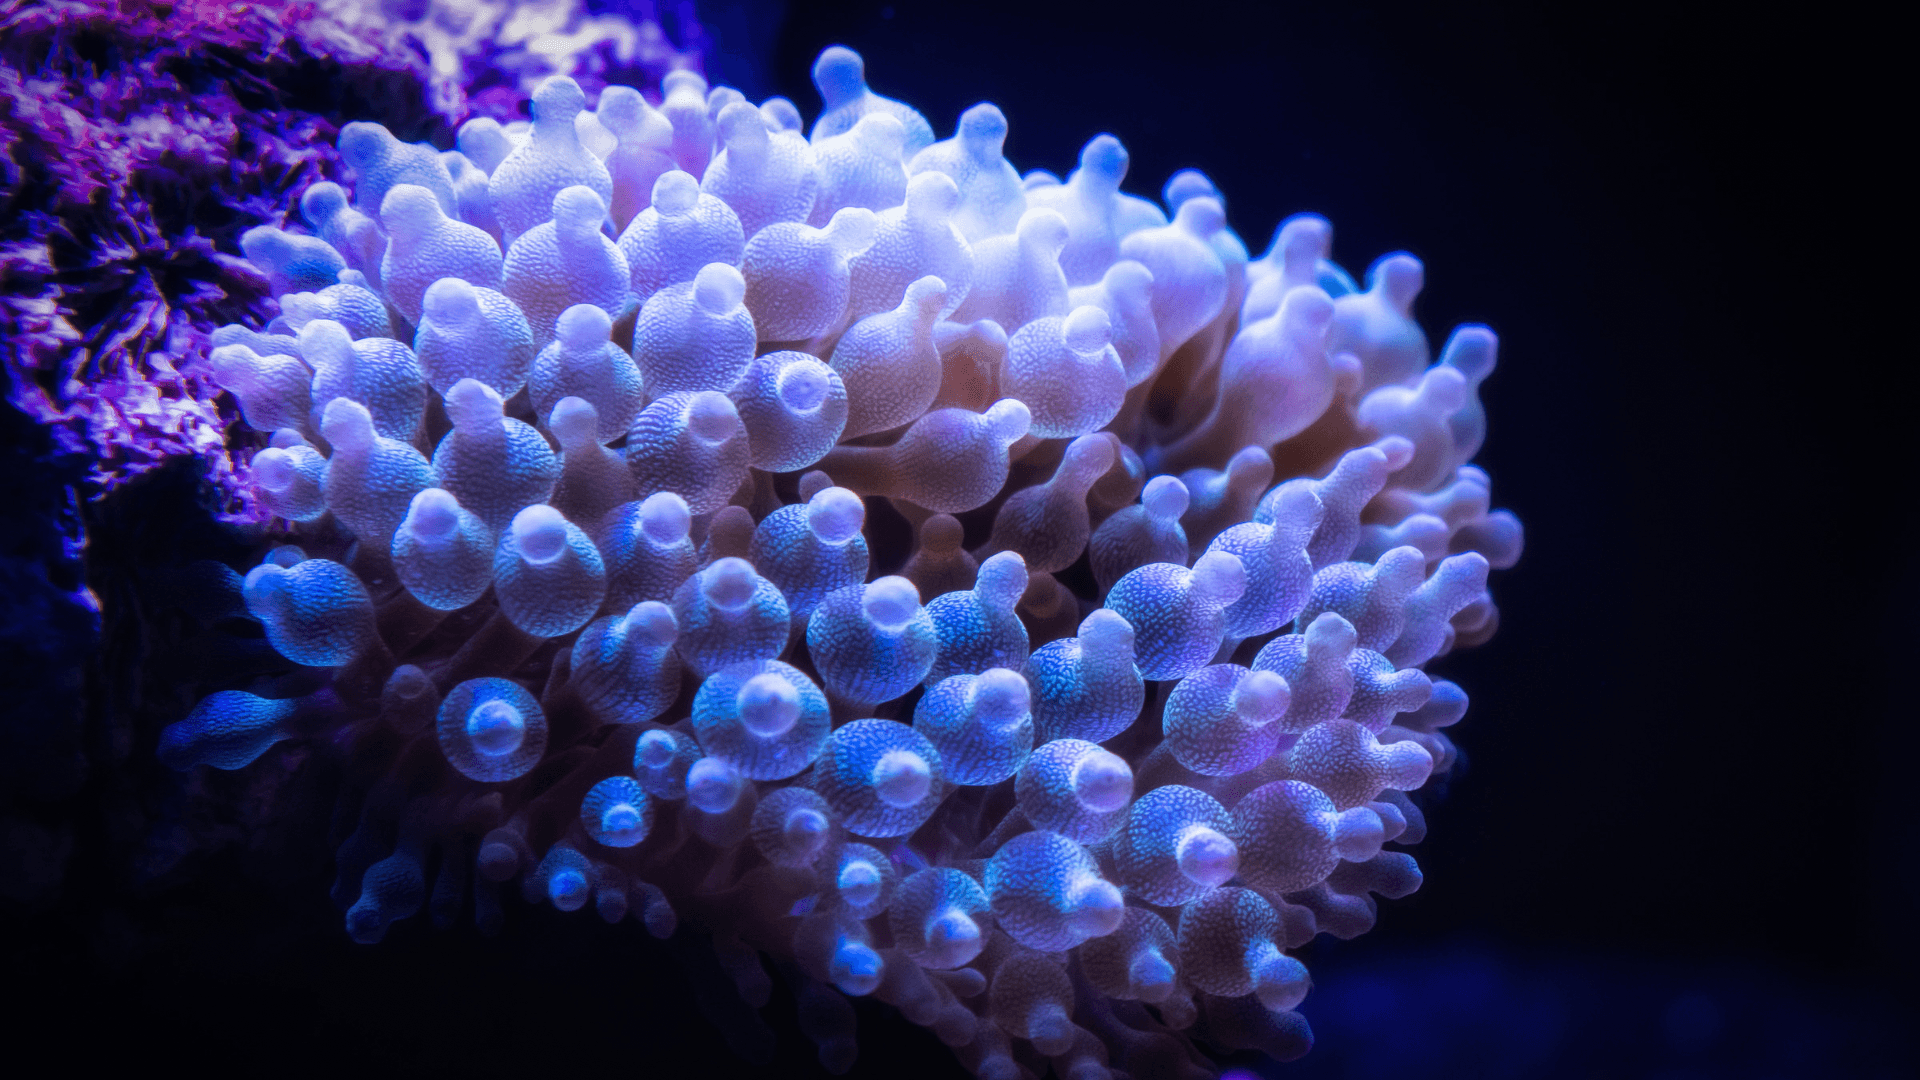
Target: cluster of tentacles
[[1000, 595]]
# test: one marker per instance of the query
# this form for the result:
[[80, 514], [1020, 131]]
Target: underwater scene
[[881, 539]]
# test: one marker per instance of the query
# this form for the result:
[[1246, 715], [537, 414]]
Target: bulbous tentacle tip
[[713, 785], [583, 327], [932, 195], [321, 200], [1009, 419], [806, 829], [768, 705], [578, 210], [719, 288], [953, 933], [1220, 576], [1331, 634], [1105, 158], [1097, 908], [881, 134], [654, 750], [540, 533], [1187, 184], [1002, 579], [1306, 314], [891, 602], [347, 424], [451, 302], [675, 193], [1208, 857], [851, 231], [496, 728], [1398, 278], [1001, 696], [410, 210], [860, 881], [1261, 697], [557, 100], [324, 341], [1150, 976], [575, 422], [274, 469], [665, 518], [1281, 982], [1083, 462], [1201, 216], [984, 124], [743, 131], [1102, 781], [362, 142], [782, 114], [835, 515], [473, 404], [1165, 498], [1088, 329], [839, 74], [803, 386], [712, 417], [902, 778], [433, 515], [1358, 833], [729, 583], [652, 621], [856, 968], [1044, 228], [1106, 631]]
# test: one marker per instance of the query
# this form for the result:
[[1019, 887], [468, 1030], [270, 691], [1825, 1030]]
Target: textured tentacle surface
[[883, 562]]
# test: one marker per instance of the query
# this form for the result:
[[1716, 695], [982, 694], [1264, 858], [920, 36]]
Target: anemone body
[[1135, 466]]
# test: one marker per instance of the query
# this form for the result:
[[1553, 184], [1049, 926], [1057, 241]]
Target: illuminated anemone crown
[[591, 413]]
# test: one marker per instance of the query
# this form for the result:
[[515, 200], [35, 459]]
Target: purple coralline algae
[[140, 139], [1001, 596]]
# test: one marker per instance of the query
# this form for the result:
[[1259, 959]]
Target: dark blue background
[[1680, 845]]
